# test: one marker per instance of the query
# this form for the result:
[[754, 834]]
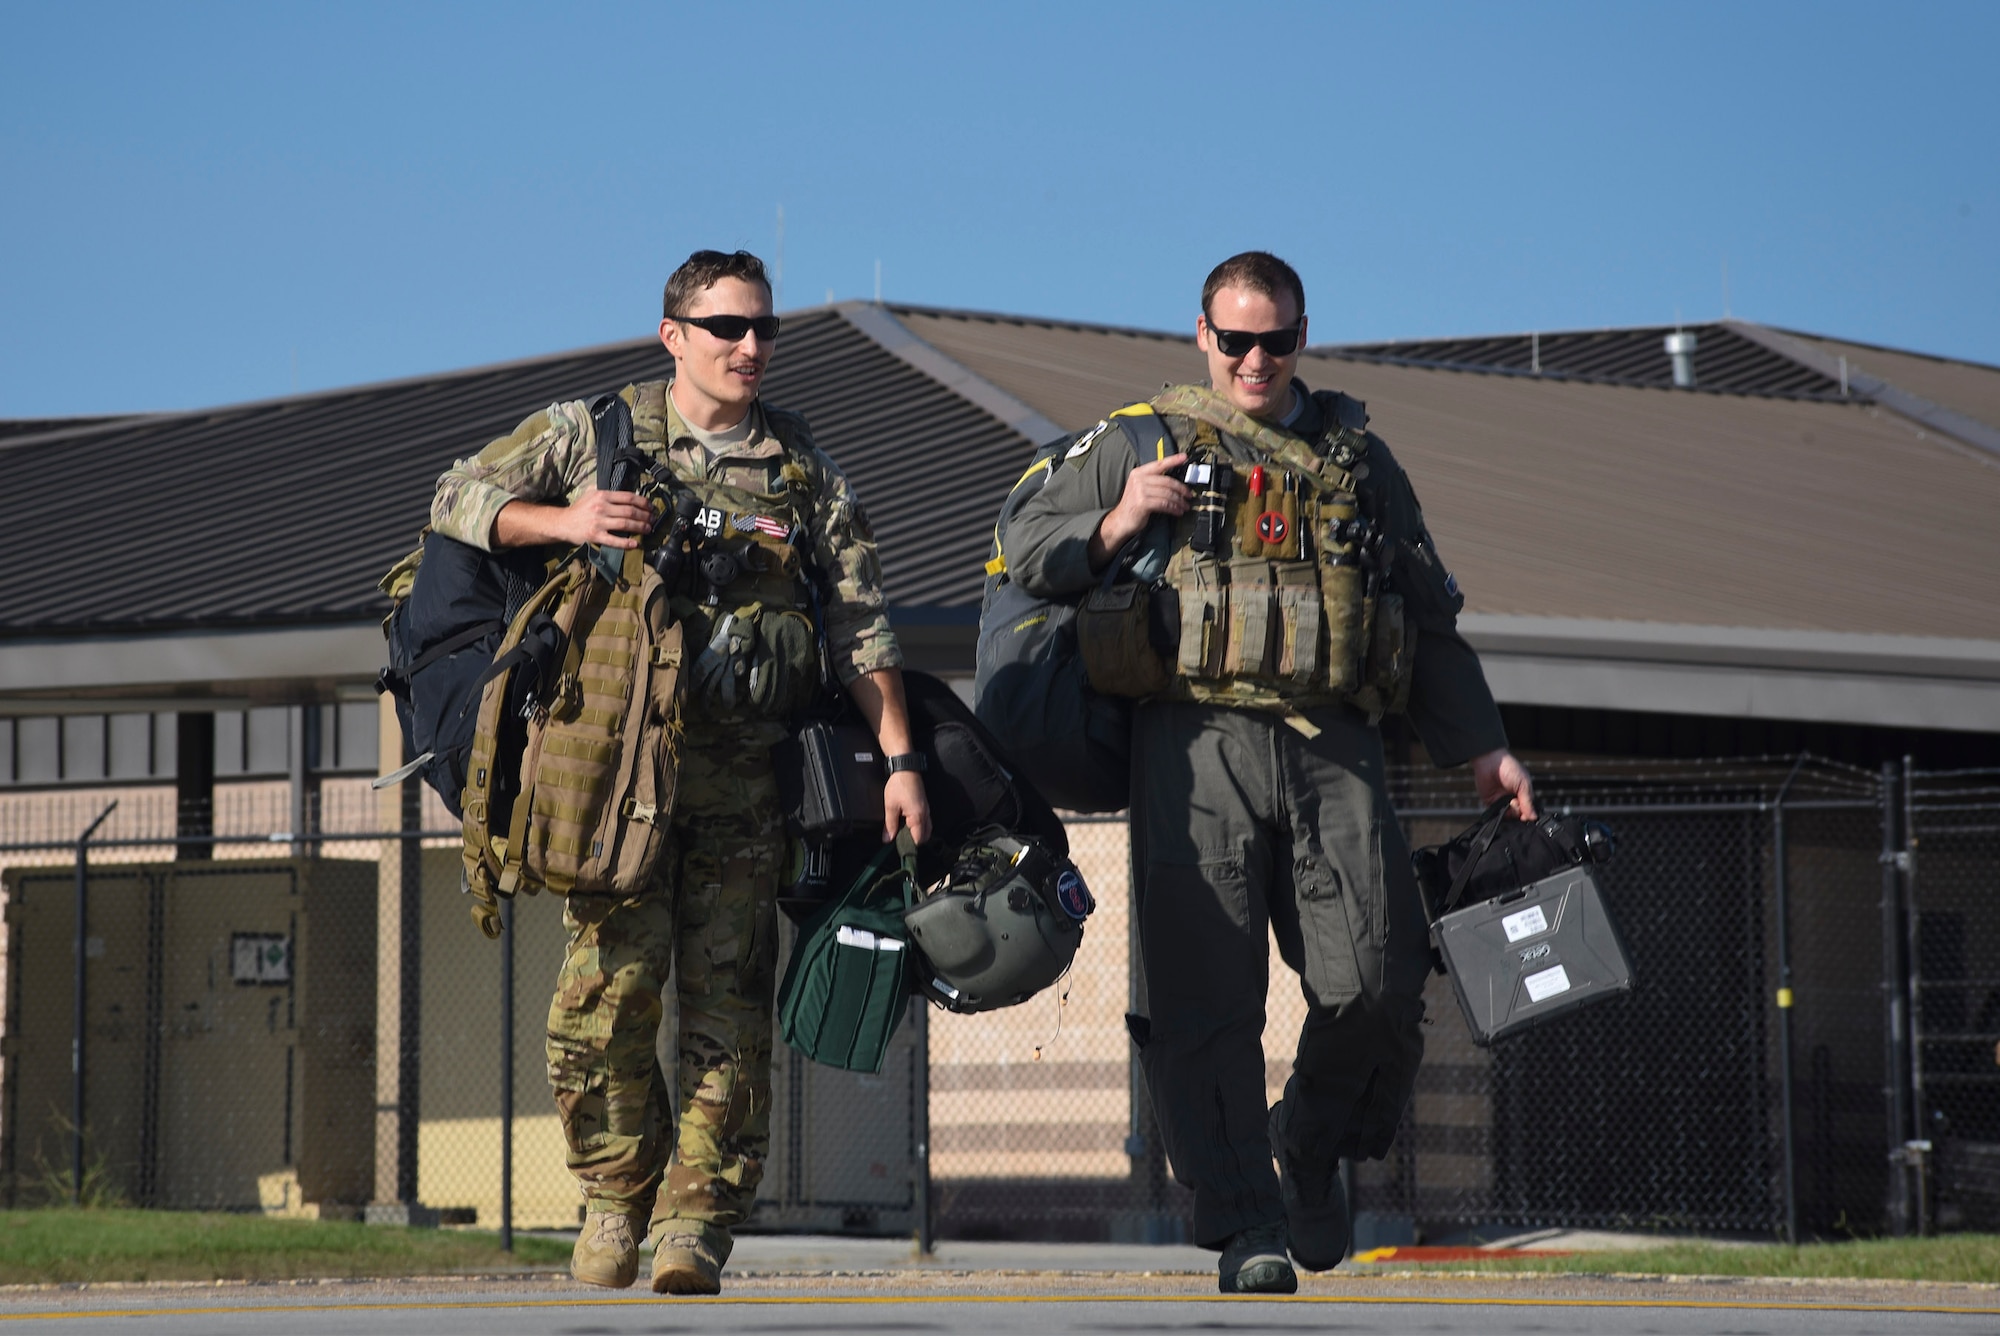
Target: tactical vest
[[744, 596], [1273, 593]]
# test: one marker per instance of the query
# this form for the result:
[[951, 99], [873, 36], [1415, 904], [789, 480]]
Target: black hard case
[[830, 778], [1533, 954]]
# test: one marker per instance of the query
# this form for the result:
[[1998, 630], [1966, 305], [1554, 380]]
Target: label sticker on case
[[1541, 987], [1525, 924]]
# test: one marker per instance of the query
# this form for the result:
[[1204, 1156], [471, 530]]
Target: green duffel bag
[[845, 987]]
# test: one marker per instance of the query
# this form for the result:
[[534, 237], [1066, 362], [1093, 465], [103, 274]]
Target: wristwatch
[[916, 761]]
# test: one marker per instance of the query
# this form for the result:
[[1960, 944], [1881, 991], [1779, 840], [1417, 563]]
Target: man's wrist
[[911, 762]]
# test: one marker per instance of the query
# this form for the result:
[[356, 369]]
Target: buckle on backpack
[[634, 810], [666, 656]]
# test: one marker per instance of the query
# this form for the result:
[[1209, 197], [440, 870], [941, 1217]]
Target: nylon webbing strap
[[609, 414], [1206, 406], [451, 646], [1492, 817]]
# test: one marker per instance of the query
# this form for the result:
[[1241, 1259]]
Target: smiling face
[[716, 382], [1257, 383]]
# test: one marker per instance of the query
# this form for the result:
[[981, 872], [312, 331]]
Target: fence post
[[1896, 1055], [82, 996], [1917, 1150], [1782, 894], [920, 1096], [410, 1018], [507, 1073]]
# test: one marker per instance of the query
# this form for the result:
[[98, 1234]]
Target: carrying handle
[[1492, 817], [906, 849]]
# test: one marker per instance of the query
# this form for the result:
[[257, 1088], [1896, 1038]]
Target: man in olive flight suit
[[712, 913], [1258, 802]]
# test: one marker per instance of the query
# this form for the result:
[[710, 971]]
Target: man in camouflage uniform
[[1258, 803], [711, 916]]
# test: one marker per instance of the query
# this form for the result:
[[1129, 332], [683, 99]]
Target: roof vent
[[1680, 347]]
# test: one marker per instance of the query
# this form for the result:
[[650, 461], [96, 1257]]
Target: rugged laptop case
[[1532, 954]]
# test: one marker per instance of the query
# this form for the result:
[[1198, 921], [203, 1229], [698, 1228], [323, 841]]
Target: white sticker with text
[[1541, 987], [1525, 924]]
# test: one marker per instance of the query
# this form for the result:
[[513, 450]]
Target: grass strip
[[61, 1246], [1953, 1258]]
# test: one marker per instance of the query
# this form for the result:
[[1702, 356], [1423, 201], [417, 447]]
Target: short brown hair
[[1259, 271], [704, 269]]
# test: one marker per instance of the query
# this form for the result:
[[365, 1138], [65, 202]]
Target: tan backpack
[[576, 752]]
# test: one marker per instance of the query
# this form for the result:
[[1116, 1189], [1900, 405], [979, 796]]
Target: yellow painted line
[[861, 1300]]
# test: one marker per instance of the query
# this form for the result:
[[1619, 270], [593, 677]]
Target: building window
[[129, 746], [38, 749]]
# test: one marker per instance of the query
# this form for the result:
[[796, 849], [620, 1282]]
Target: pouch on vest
[[846, 985], [1389, 669], [1204, 610], [756, 662], [1342, 586], [1115, 631]]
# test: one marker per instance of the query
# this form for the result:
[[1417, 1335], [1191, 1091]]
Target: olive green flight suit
[[1252, 821]]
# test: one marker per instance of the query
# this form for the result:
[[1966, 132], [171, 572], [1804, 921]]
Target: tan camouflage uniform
[[713, 913]]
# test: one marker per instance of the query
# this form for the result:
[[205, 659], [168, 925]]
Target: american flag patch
[[776, 528], [744, 523]]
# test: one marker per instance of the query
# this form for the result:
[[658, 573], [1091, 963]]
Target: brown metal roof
[[1072, 373], [1552, 497], [1574, 499], [288, 511], [1971, 388]]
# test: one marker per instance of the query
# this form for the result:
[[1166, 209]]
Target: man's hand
[[904, 800], [879, 697], [1148, 492], [610, 519], [1498, 773]]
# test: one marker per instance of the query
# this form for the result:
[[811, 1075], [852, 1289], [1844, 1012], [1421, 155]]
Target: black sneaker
[[1255, 1262], [1315, 1206]]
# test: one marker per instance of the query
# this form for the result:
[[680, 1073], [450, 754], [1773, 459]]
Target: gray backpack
[[1029, 688]]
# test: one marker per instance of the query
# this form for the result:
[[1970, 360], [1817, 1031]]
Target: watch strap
[[916, 761]]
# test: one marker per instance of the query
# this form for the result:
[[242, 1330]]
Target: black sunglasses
[[732, 328], [1239, 342]]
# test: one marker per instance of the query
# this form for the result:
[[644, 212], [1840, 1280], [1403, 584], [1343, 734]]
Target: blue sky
[[209, 202]]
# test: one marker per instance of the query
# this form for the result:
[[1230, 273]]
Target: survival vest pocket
[[784, 677], [1341, 596], [1248, 652], [1392, 644], [1299, 611], [756, 662], [1204, 617], [1114, 634]]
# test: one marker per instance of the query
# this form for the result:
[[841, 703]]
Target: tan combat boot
[[689, 1256], [607, 1251]]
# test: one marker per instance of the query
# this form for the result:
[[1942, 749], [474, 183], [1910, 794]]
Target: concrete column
[[389, 963]]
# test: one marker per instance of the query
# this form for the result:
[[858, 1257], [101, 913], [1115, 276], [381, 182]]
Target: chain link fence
[[286, 1009], [1952, 858]]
